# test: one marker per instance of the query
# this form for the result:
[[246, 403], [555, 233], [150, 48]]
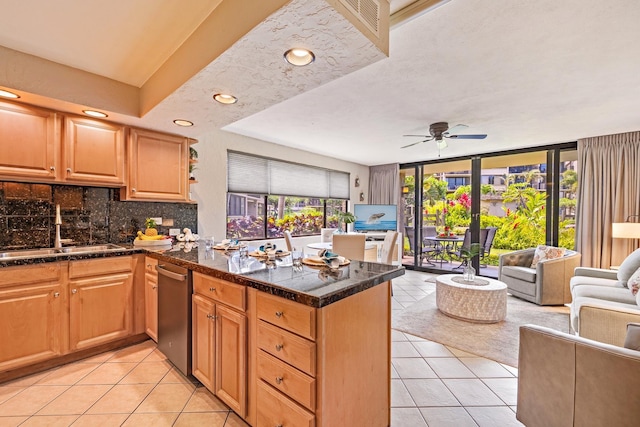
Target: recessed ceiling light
[[94, 113], [181, 122], [299, 57], [7, 94], [223, 98]]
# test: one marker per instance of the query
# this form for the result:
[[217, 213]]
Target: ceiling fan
[[440, 130]]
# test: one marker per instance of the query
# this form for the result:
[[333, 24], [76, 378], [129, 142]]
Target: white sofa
[[602, 304]]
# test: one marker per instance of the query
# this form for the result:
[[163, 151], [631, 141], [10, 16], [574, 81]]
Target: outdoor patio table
[[443, 245]]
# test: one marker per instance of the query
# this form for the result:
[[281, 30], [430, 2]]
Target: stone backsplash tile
[[90, 215]]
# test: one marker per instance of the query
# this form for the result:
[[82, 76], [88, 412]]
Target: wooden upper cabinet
[[157, 167], [93, 152], [29, 138]]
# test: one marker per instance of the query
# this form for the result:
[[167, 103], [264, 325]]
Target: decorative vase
[[468, 273], [340, 229]]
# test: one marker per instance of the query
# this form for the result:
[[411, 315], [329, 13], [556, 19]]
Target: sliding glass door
[[474, 209]]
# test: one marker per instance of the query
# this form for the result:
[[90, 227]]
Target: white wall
[[211, 190]]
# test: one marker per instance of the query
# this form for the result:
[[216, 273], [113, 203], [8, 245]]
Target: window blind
[[260, 175]]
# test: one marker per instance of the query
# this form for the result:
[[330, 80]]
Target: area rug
[[496, 341]]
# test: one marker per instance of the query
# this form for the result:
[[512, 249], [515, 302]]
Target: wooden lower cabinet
[[320, 367], [220, 340], [31, 308], [100, 301], [151, 298]]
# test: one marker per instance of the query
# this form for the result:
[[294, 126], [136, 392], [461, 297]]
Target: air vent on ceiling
[[367, 11]]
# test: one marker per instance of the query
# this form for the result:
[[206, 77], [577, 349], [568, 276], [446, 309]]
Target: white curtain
[[608, 192]]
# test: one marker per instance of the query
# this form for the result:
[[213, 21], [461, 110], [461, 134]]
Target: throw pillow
[[634, 283], [628, 267], [632, 340], [546, 252]]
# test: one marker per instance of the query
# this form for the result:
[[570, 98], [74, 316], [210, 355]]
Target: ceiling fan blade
[[454, 129], [422, 136], [416, 143], [467, 136]]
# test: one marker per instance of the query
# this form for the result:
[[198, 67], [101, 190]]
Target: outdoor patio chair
[[426, 252], [487, 244]]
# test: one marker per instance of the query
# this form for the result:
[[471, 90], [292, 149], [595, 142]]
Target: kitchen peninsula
[[285, 347]]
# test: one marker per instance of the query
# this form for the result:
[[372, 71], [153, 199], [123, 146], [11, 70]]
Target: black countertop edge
[[283, 291], [41, 259]]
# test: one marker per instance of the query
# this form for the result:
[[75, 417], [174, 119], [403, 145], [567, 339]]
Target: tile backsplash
[[90, 215]]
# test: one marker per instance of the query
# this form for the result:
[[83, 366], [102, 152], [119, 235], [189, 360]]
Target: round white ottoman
[[481, 301]]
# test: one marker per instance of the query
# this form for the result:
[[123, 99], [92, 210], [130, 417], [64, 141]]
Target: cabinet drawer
[[150, 265], [228, 293], [23, 275], [275, 409], [292, 316], [290, 381], [99, 266], [287, 347]]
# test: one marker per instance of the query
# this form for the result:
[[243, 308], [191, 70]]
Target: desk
[[370, 249], [443, 245]]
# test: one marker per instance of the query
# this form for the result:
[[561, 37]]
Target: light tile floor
[[431, 385]]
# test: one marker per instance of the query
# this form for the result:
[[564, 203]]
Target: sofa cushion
[[522, 273], [544, 252], [632, 340], [587, 280], [605, 293], [634, 282], [628, 267]]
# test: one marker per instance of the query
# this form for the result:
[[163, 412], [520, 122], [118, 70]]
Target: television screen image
[[375, 217]]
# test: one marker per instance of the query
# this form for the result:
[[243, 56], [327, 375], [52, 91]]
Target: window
[[299, 198]]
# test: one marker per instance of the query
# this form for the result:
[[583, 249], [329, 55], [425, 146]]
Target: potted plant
[[468, 272], [344, 218]]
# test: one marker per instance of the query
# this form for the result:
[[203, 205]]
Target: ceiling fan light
[[441, 144]]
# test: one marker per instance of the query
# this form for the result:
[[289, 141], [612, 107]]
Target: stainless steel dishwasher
[[174, 314]]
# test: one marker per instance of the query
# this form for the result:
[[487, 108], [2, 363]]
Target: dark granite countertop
[[316, 287]]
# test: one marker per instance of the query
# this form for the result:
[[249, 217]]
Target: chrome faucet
[[58, 242]]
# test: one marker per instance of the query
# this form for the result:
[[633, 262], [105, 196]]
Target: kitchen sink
[[29, 253], [87, 249]]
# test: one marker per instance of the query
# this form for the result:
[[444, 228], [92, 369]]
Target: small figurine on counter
[[187, 236]]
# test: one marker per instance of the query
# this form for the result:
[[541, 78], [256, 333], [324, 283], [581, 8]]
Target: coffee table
[[482, 301]]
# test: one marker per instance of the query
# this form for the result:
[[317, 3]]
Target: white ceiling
[[525, 73]]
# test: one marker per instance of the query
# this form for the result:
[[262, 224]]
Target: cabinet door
[[100, 309], [29, 138], [203, 341], [31, 325], [157, 166], [151, 305], [231, 356], [93, 151]]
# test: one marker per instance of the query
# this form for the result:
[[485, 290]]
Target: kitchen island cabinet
[[318, 343], [220, 339]]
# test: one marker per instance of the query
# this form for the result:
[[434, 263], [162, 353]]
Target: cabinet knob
[[56, 294], [279, 380], [154, 286], [74, 291], [212, 317], [279, 314], [133, 190], [212, 289], [68, 170], [52, 168], [279, 347]]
